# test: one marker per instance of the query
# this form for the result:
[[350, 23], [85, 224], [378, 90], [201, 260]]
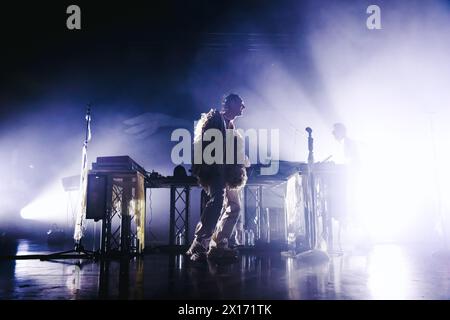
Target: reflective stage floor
[[384, 272]]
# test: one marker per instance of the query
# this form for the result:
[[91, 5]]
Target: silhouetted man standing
[[221, 182]]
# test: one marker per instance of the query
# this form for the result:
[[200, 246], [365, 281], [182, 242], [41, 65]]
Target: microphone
[[310, 146]]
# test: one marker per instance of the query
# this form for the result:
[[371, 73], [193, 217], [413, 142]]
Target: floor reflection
[[386, 272], [389, 273]]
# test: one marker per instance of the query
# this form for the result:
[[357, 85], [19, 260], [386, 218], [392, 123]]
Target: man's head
[[339, 131], [232, 106]]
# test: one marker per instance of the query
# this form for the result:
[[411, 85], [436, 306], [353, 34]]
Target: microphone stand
[[311, 221], [78, 245], [78, 252], [313, 253]]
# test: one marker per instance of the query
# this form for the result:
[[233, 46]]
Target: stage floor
[[385, 272]]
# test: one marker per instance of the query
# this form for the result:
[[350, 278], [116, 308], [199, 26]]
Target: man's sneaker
[[222, 253], [196, 251], [198, 256]]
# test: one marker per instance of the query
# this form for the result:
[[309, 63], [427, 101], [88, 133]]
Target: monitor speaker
[[96, 197]]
